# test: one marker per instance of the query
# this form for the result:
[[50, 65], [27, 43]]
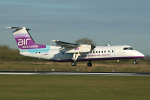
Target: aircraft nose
[[141, 55]]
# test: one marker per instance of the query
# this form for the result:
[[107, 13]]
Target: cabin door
[[112, 53]]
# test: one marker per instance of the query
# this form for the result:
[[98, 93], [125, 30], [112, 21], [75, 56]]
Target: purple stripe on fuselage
[[110, 58]]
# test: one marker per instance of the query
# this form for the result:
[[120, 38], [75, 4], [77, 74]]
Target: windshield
[[128, 48]]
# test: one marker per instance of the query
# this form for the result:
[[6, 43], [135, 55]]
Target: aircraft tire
[[134, 62], [73, 63], [89, 64]]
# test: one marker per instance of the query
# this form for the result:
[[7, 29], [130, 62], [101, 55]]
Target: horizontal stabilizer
[[17, 28]]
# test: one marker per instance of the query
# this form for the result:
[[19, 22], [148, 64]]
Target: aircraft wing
[[66, 44], [72, 48]]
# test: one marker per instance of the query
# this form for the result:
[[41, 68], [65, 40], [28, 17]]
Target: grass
[[81, 67], [46, 87]]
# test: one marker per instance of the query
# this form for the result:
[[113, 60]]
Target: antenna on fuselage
[[108, 45]]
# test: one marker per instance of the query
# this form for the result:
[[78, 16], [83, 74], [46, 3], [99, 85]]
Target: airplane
[[70, 52]]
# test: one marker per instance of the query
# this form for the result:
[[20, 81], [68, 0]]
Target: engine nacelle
[[80, 49]]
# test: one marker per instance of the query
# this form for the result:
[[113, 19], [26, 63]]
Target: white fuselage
[[98, 53], [70, 51]]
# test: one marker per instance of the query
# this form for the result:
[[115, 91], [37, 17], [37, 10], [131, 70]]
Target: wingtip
[[54, 40], [9, 27]]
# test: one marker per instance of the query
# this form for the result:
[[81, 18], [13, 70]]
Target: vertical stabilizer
[[24, 40]]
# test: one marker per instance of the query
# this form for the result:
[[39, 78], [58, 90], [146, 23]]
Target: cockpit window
[[125, 48], [128, 48], [131, 48]]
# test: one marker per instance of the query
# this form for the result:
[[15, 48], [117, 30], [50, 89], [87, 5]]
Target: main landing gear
[[89, 64], [73, 63], [75, 57]]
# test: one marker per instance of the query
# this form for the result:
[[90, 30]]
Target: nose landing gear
[[135, 61]]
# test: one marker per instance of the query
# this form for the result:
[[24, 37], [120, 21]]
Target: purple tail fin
[[24, 40]]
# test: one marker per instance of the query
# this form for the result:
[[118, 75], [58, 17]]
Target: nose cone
[[140, 55]]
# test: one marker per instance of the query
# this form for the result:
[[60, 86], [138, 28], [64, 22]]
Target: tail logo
[[26, 43], [23, 41]]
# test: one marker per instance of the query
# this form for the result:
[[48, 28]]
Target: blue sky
[[117, 22]]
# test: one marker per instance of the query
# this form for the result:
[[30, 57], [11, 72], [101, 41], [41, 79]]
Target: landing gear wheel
[[73, 63], [89, 64], [135, 61]]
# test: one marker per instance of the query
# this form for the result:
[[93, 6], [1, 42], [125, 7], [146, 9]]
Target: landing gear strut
[[89, 64], [75, 57]]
